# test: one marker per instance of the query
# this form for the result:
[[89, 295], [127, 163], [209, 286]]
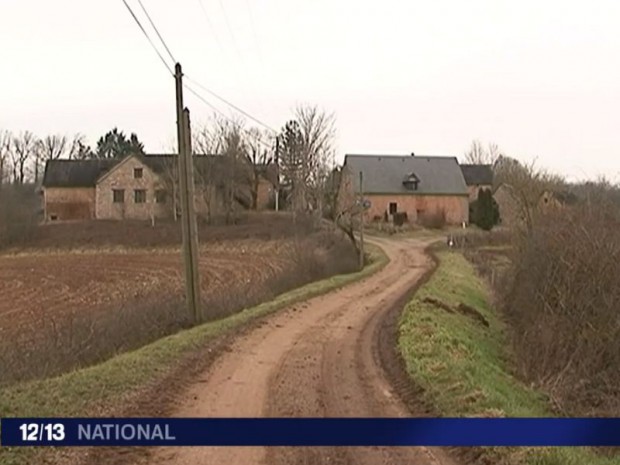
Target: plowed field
[[34, 287], [64, 308]]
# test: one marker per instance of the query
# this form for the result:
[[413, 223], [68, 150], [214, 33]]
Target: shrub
[[19, 207], [562, 305]]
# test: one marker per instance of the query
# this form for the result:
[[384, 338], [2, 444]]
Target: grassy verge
[[463, 367], [83, 392]]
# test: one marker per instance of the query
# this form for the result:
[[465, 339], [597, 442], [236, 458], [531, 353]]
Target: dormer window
[[411, 182]]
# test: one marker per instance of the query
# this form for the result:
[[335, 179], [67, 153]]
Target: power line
[[221, 113], [157, 31], [240, 57], [148, 38], [212, 27], [230, 30], [260, 54], [232, 105], [193, 91]]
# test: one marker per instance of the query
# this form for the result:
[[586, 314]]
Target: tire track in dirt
[[320, 360]]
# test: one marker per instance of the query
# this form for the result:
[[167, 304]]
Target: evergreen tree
[[116, 145], [484, 211]]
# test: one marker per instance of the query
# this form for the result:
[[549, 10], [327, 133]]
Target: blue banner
[[310, 432]]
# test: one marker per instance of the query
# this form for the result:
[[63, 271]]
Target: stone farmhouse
[[477, 177], [415, 185], [143, 187]]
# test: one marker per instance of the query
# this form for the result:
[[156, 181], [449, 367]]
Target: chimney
[[412, 154]]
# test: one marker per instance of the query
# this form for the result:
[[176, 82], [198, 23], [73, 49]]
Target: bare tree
[[170, 183], [477, 154], [205, 144], [235, 177], [51, 147], [526, 183], [79, 149], [259, 158], [306, 156], [318, 133], [348, 209], [54, 146], [5, 148], [23, 148]]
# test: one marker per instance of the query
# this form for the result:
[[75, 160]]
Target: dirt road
[[318, 359]]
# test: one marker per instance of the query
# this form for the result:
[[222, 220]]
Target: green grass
[[84, 392], [464, 367]]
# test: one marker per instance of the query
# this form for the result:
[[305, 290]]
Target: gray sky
[[539, 78]]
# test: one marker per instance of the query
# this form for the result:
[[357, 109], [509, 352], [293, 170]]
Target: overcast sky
[[539, 78]]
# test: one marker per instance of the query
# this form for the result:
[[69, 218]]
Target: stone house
[[415, 185], [514, 209], [143, 187], [556, 200], [477, 177]]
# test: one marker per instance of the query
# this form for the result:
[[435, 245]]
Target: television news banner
[[461, 432]]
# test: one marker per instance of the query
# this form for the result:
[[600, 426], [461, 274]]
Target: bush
[[19, 207], [562, 304]]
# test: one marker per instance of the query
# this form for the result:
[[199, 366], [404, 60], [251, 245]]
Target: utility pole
[[193, 224], [188, 218], [362, 209], [277, 159]]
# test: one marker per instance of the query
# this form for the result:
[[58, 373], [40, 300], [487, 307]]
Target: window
[[393, 208], [161, 196], [137, 173], [139, 196], [118, 195], [53, 217]]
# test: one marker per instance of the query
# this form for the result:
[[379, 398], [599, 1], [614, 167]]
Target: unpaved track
[[317, 359]]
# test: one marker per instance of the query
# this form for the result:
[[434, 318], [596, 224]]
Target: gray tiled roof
[[75, 173], [384, 174], [478, 174], [85, 173]]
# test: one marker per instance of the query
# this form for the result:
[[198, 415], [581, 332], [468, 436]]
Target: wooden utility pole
[[193, 224], [188, 218], [277, 159], [362, 209]]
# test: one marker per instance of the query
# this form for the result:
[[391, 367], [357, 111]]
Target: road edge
[[156, 396]]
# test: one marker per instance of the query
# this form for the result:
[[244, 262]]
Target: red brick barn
[[420, 186]]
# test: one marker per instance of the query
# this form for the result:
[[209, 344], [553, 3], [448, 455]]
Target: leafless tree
[[205, 144], [318, 133], [23, 148], [306, 156], [51, 147], [170, 183], [348, 209], [5, 148], [477, 154], [79, 149], [54, 146], [527, 183], [229, 141], [259, 157]]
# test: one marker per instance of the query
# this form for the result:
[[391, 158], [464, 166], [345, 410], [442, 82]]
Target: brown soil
[[326, 357], [99, 233], [35, 287]]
